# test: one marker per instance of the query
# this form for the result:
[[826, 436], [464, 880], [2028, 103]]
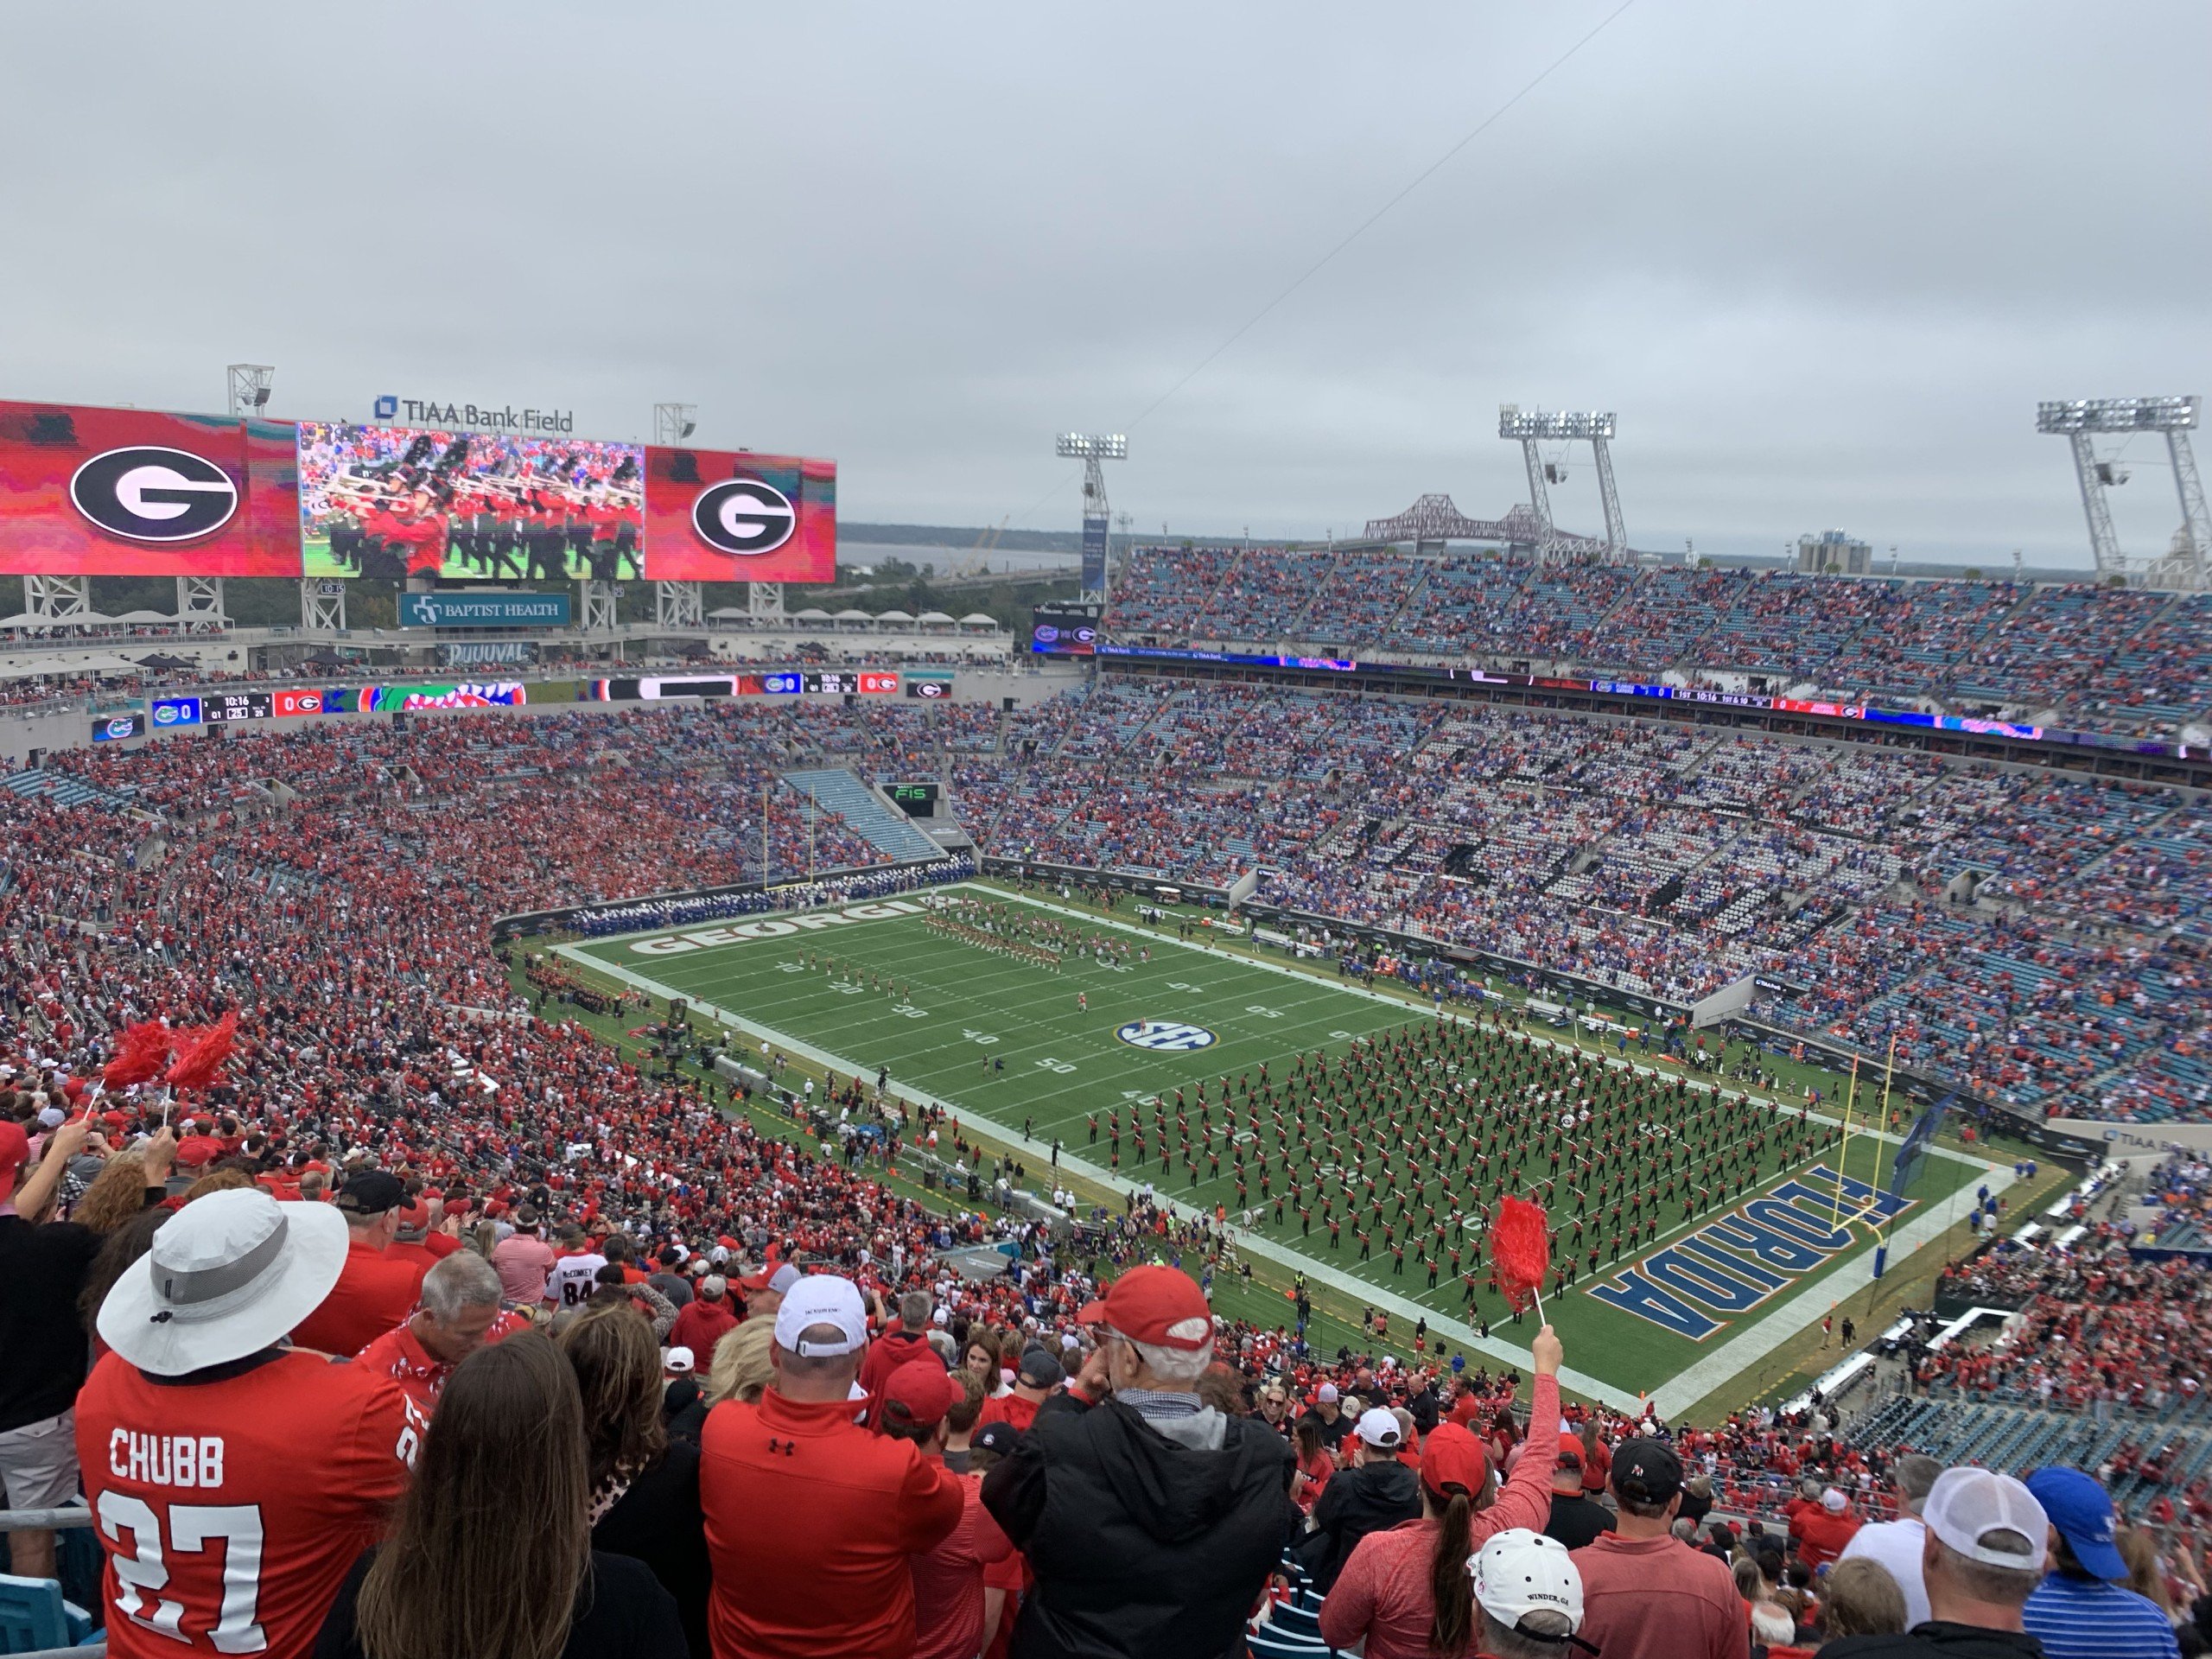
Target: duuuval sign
[[1731, 1266]]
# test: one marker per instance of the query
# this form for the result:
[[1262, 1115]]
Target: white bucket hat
[[228, 1275]]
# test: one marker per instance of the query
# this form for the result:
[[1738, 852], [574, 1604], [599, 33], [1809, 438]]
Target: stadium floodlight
[[674, 422], [2118, 415], [1528, 427], [2188, 562], [248, 387], [1088, 446], [1555, 426]]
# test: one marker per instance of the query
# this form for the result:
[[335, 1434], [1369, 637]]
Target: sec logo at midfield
[[1165, 1036]]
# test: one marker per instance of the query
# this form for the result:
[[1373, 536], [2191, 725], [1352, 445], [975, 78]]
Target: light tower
[[676, 604], [1532, 427], [674, 423], [1090, 448], [248, 387], [2187, 564]]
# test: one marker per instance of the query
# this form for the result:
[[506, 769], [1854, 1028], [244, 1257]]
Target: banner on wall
[[483, 610], [718, 515], [134, 492]]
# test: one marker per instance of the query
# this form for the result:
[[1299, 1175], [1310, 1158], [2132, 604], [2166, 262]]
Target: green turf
[[964, 1008]]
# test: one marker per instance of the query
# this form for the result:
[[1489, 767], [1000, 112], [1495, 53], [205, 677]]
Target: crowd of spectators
[[409, 1165], [2102, 659]]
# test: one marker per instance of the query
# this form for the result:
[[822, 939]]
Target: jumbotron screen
[[133, 493], [395, 501], [721, 515]]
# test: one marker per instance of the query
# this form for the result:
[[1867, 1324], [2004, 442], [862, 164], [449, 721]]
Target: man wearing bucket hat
[[1151, 1520], [235, 1478]]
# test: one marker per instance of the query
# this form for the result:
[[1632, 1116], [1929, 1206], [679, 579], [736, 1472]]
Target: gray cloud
[[1823, 261]]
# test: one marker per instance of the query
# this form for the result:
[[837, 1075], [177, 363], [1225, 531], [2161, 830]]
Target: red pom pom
[[1521, 1246], [200, 1053], [140, 1055]]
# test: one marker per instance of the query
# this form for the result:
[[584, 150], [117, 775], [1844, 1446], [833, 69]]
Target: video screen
[[1064, 630], [721, 515], [392, 502], [133, 492]]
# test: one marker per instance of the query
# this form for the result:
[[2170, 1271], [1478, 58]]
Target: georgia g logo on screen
[[744, 515], [146, 494]]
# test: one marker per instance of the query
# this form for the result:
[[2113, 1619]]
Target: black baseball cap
[[1001, 1437], [371, 1194], [1646, 1471], [1039, 1369]]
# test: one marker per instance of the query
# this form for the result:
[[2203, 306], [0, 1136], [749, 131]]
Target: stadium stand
[[2098, 659]]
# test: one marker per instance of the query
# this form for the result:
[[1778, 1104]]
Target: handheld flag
[[1521, 1246], [201, 1052], [140, 1054]]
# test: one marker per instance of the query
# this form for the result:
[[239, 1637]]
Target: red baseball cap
[[919, 1393], [1156, 1304], [1453, 1457], [1570, 1449], [14, 1146]]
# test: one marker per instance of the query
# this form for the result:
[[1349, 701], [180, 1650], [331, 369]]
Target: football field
[[1091, 1053]]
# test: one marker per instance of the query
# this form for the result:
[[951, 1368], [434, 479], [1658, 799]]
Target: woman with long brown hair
[[644, 1487], [1404, 1593], [491, 1554]]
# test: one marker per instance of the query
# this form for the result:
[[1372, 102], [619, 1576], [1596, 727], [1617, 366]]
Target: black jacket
[[1374, 1498], [1144, 1546], [1938, 1640]]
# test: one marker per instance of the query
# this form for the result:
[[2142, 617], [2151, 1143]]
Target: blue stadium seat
[[34, 1616]]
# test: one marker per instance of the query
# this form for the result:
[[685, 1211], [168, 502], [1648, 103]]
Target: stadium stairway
[[837, 790]]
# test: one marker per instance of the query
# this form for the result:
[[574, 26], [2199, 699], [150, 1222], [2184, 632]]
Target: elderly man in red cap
[[1151, 1520]]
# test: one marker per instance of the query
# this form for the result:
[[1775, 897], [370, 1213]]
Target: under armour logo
[[784, 1446]]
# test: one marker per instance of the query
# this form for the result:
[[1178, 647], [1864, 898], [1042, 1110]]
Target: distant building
[[1832, 553]]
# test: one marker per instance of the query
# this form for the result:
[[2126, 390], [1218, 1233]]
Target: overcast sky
[[1822, 260]]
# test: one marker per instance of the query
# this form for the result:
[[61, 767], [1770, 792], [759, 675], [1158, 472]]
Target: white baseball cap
[[1835, 1502], [1327, 1394], [1378, 1427], [822, 1299], [227, 1275], [1965, 1506], [679, 1361], [1516, 1571]]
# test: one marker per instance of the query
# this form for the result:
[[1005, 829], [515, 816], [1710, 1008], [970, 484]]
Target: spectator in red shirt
[[704, 1320], [810, 1518], [899, 1343], [1646, 1595], [1821, 1534], [1032, 1385], [419, 1241], [915, 1403], [375, 1292], [308, 1456], [459, 1313]]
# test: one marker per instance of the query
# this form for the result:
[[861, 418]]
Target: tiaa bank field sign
[[484, 610]]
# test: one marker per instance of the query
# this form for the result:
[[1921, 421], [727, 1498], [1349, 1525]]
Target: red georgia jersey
[[232, 1510]]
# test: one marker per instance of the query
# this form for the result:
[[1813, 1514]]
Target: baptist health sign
[[484, 610]]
